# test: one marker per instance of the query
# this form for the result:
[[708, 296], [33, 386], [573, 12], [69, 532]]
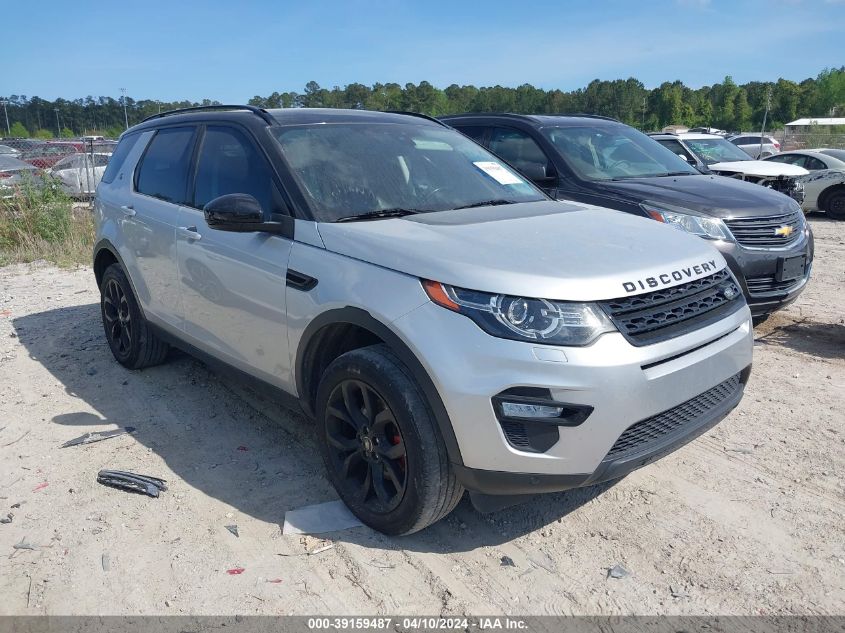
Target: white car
[[824, 188], [716, 155], [76, 174]]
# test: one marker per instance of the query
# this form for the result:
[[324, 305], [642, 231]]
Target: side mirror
[[234, 211], [242, 213], [538, 172]]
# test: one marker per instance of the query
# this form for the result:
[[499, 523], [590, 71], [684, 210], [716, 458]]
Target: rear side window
[[119, 157], [230, 163], [163, 171], [475, 132], [519, 149]]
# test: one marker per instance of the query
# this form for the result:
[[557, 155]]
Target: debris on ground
[[106, 562], [40, 486], [97, 436], [677, 593], [243, 449], [15, 441], [317, 519], [132, 482], [381, 564], [23, 544], [739, 449], [275, 581], [233, 529], [237, 571], [8, 518], [321, 549], [618, 572], [507, 561]]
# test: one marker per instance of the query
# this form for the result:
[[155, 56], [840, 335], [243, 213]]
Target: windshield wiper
[[677, 173], [396, 212], [485, 203]]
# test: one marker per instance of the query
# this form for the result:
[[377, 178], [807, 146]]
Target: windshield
[[715, 150], [614, 153], [353, 169]]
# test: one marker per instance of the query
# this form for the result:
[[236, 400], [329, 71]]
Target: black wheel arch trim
[[105, 244], [363, 319]]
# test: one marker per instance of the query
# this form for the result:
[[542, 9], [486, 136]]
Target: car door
[[160, 186], [233, 284]]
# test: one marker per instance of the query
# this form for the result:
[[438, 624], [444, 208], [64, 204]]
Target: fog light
[[522, 410]]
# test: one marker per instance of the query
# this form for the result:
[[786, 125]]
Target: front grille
[[640, 436], [768, 285], [663, 314], [768, 231]]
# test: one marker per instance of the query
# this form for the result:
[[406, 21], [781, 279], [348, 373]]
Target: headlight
[[522, 318], [711, 228]]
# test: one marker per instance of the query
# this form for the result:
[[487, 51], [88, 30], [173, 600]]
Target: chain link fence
[[75, 166]]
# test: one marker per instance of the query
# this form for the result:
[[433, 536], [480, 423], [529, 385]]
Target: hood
[[762, 168], [715, 196], [547, 249]]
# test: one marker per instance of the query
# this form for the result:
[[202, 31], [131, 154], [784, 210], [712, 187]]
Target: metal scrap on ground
[[98, 436], [322, 517]]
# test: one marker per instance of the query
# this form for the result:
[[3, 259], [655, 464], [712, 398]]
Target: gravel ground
[[748, 519]]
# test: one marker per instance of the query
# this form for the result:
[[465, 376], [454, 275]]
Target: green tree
[[18, 130]]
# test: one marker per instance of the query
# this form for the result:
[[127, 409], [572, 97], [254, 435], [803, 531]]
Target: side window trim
[[140, 162]]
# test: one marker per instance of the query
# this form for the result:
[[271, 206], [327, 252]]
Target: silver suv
[[446, 324]]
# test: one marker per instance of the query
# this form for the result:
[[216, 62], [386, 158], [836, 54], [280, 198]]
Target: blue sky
[[233, 50]]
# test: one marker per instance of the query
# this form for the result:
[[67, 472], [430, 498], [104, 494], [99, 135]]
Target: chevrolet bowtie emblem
[[783, 231]]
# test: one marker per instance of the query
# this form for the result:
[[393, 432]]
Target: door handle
[[189, 233], [128, 210]]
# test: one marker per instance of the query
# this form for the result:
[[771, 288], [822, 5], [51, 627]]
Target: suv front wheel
[[131, 339], [382, 449]]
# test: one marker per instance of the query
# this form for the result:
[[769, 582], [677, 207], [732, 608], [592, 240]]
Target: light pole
[[58, 127], [6, 112], [125, 116]]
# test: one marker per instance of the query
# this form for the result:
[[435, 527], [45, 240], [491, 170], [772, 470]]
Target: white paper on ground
[[317, 519], [498, 173]]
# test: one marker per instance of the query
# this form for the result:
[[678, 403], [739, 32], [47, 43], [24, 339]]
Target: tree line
[[725, 105]]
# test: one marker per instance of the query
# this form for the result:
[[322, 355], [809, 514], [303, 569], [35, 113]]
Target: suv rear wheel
[[131, 339], [382, 449]]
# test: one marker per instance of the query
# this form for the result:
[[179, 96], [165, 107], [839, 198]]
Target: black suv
[[597, 160]]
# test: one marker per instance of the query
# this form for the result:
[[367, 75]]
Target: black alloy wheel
[[117, 317], [365, 446]]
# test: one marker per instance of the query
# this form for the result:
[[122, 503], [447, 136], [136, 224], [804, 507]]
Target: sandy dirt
[[748, 519]]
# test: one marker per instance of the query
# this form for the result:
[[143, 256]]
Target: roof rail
[[419, 115], [540, 114], [255, 110]]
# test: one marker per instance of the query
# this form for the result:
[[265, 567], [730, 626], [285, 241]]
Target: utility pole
[[6, 112], [643, 123], [765, 116], [58, 127], [125, 115]]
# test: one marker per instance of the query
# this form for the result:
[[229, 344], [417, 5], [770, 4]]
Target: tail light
[[5, 174], [776, 144]]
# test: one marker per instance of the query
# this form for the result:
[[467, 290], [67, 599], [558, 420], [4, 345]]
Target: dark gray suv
[[600, 161]]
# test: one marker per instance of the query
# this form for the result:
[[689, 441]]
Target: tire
[[834, 206], [130, 337], [381, 446]]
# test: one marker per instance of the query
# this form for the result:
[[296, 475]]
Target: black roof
[[537, 119], [282, 116]]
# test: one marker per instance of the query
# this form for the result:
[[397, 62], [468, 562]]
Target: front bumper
[[756, 271], [622, 383]]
